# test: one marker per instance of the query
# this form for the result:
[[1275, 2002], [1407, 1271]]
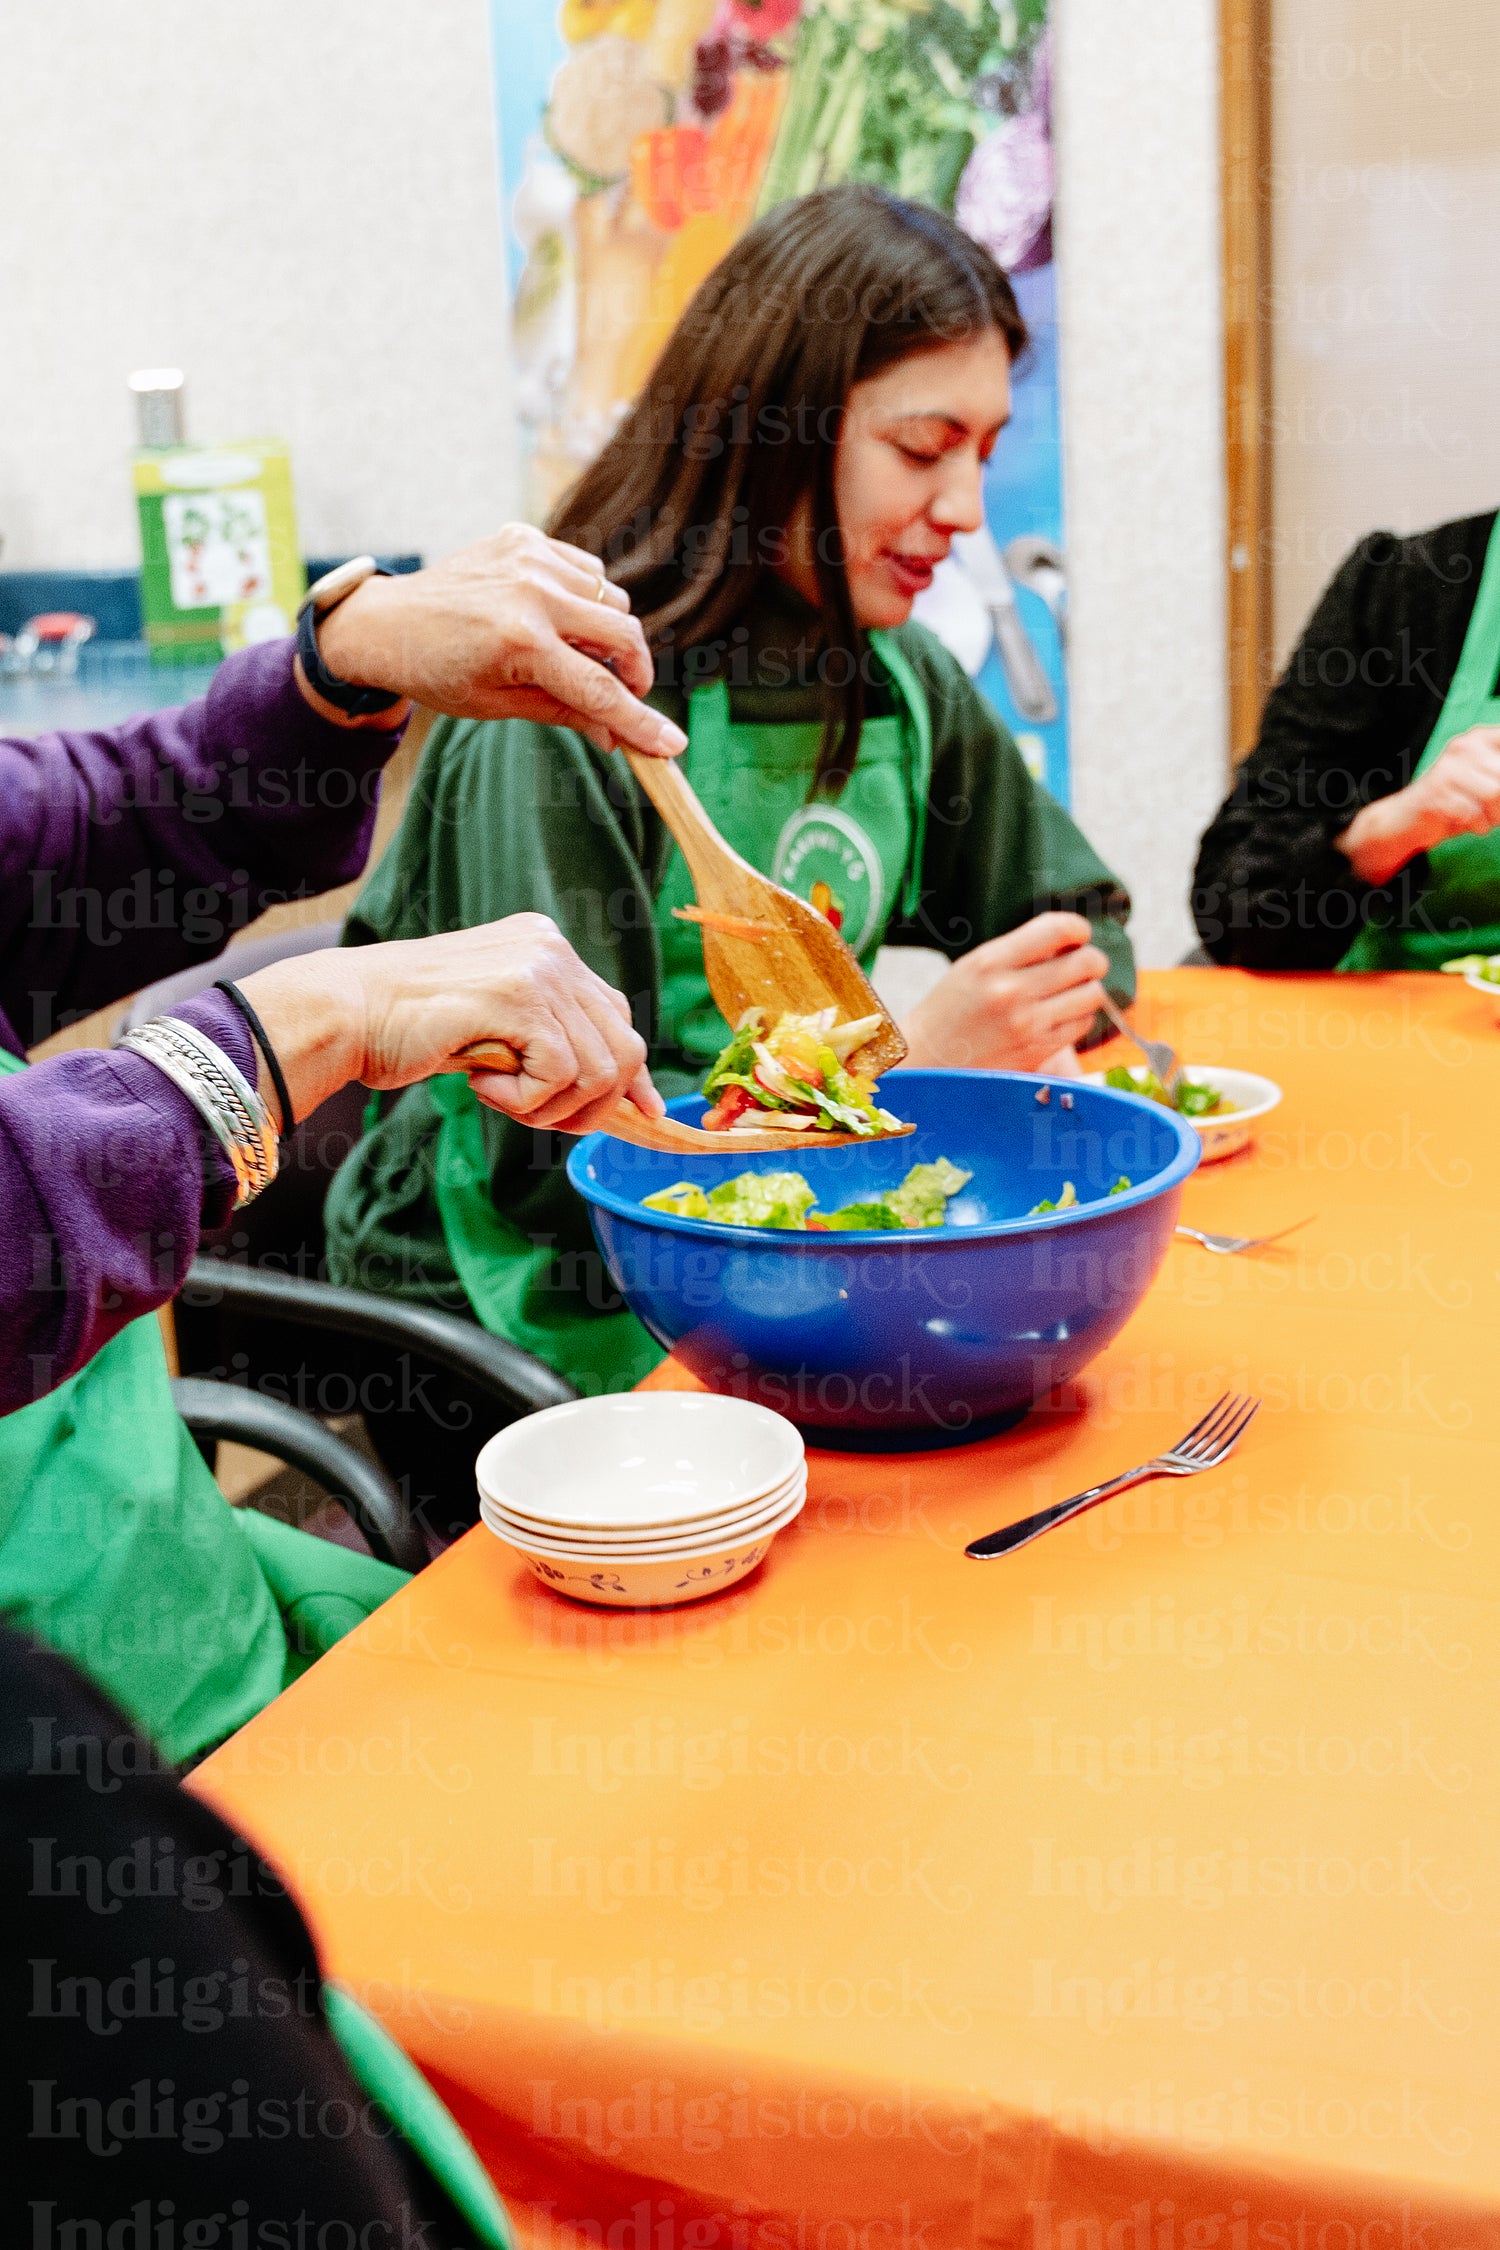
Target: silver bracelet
[[230, 1107]]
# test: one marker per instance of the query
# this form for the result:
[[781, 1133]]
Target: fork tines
[[1222, 1426]]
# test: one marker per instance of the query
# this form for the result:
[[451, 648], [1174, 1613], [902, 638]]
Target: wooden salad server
[[626, 1123], [783, 957]]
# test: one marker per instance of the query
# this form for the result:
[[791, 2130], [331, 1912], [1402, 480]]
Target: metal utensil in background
[[1228, 1245], [1037, 564], [1025, 676], [1159, 1056], [1207, 1444]]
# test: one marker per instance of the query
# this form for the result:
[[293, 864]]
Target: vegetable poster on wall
[[640, 138]]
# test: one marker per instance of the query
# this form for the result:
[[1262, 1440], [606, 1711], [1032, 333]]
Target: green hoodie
[[509, 816]]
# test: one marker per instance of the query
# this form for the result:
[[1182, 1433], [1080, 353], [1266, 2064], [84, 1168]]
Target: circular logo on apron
[[826, 857]]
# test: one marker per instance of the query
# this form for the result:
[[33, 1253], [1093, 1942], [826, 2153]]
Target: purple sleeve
[[104, 1188], [136, 850]]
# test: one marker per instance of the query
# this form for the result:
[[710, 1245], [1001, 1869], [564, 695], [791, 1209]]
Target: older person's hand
[[1458, 795], [518, 626], [388, 1015]]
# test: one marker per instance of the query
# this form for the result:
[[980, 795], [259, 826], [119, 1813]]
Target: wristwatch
[[323, 595]]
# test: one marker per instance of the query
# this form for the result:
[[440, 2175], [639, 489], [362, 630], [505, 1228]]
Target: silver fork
[[1161, 1058], [1225, 1245], [1207, 1444]]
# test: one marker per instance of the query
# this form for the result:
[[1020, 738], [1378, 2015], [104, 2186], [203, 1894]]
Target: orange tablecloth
[[1138, 1892]]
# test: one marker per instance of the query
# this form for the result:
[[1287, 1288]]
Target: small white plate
[[652, 1581], [1253, 1097], [503, 1522], [1477, 983], [592, 1534], [649, 1458]]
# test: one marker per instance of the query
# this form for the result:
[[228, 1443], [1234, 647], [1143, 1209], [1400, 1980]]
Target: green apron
[[118, 1549], [753, 780], [1462, 906], [423, 2121]]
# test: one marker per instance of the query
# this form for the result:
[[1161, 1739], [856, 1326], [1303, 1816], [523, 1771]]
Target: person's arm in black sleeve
[[163, 2041], [1345, 725]]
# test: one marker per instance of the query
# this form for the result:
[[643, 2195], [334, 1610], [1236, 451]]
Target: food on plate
[[793, 1078], [1188, 1097], [784, 1200], [1069, 1198], [1483, 966]]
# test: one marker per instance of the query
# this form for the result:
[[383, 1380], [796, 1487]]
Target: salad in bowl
[[797, 1069]]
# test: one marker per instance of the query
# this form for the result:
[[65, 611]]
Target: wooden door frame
[[1245, 158]]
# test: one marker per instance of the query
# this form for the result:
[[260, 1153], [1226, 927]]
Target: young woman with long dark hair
[[810, 442]]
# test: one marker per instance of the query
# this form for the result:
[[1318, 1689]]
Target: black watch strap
[[357, 702]]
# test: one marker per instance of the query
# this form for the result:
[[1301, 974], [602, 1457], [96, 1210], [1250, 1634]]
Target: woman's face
[[908, 474]]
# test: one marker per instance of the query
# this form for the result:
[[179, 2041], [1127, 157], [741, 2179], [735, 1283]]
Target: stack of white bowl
[[643, 1500]]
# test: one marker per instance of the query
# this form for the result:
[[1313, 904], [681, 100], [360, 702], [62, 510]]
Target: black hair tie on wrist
[[258, 1034]]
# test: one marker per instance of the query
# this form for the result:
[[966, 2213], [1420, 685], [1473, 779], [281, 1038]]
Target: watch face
[[335, 584]]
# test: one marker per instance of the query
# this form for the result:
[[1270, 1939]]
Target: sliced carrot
[[727, 925]]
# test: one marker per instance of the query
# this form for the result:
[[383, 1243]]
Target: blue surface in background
[[1023, 491], [116, 677], [526, 46], [113, 597]]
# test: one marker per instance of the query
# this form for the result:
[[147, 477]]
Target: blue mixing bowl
[[933, 1334]]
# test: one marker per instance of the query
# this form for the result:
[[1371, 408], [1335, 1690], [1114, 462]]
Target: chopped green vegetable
[[874, 1218], [1190, 1097], [761, 1199], [1486, 966], [1069, 1198], [922, 1198], [682, 1199], [784, 1199]]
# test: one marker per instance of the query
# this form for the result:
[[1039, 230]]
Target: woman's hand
[[1458, 795], [517, 627], [388, 1015], [1014, 1002]]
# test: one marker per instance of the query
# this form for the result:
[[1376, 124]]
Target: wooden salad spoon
[[626, 1123]]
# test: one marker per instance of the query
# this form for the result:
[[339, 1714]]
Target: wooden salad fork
[[762, 948]]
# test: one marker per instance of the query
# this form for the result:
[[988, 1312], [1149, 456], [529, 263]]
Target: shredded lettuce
[[1188, 1097], [1068, 1200], [784, 1199], [922, 1198]]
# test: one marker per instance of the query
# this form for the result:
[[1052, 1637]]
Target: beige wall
[[298, 205], [1386, 246], [1142, 376]]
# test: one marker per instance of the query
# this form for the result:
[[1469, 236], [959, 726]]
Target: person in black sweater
[[168, 2075], [1328, 830]]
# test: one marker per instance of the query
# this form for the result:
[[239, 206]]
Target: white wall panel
[[1142, 369], [296, 204]]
